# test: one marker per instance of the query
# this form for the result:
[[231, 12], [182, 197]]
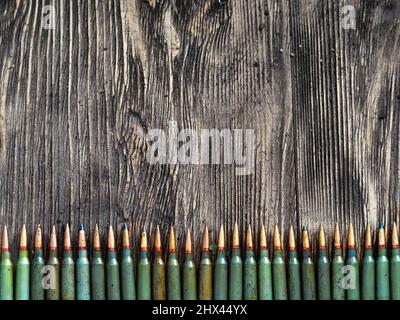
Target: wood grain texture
[[77, 101]]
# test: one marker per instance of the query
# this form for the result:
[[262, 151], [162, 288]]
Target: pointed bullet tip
[[82, 228], [381, 226]]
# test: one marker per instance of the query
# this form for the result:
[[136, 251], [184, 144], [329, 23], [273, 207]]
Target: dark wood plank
[[76, 103]]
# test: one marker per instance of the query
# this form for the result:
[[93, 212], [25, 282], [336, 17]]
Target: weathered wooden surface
[[76, 102]]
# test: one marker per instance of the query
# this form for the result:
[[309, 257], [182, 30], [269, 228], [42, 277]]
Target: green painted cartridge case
[[338, 291], [250, 269], [67, 269], [395, 265], [52, 279], [158, 270], [205, 270], [127, 268], [382, 268], [221, 269], [293, 268], [189, 286], [368, 268], [22, 279], [6, 270], [82, 269], [279, 269], [353, 277], [264, 269], [37, 289], [144, 271], [323, 269], [173, 269], [97, 272], [235, 268], [307, 270], [112, 267]]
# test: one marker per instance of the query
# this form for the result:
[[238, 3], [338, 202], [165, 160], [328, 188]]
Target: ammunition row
[[222, 277]]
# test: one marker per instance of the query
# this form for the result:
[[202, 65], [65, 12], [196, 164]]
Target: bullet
[[113, 284], [294, 277], [158, 269], [307, 270], [279, 269], [368, 268], [52, 278], [22, 279], [382, 267], [324, 268], [67, 269], [250, 269], [37, 290], [127, 268], [353, 283], [189, 271], [6, 270], [395, 265], [264, 268], [221, 269], [205, 272], [144, 270], [82, 268], [173, 269], [338, 292], [235, 268], [98, 283]]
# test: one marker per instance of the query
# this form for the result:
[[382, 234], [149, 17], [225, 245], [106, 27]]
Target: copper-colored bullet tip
[[171, 240], [221, 239], [337, 241], [82, 239], [206, 242], [96, 239], [306, 240], [277, 239], [381, 237], [157, 240], [38, 237], [368, 237], [143, 242], [351, 242], [53, 239], [263, 239], [235, 237], [5, 246], [249, 239], [188, 242], [22, 239], [126, 244], [292, 239], [322, 239], [67, 238], [395, 236], [111, 239]]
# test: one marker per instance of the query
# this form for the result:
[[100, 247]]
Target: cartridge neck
[[368, 252], [82, 253], [235, 251], [264, 252], [112, 254], [323, 252], [38, 253], [126, 252], [352, 252]]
